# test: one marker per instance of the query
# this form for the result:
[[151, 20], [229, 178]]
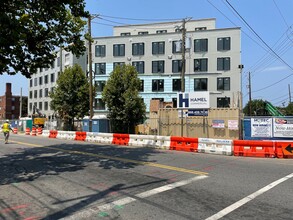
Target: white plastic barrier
[[215, 146], [92, 137], [46, 133], [104, 138], [62, 135], [142, 140], [162, 142], [71, 135]]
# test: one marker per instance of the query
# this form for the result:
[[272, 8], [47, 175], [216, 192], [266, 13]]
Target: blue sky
[[266, 39]]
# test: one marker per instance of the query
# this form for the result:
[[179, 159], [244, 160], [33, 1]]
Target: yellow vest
[[5, 127]]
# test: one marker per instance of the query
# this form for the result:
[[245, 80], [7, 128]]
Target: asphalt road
[[42, 178]]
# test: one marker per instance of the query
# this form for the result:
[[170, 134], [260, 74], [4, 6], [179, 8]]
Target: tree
[[257, 108], [70, 98], [289, 109], [120, 94], [30, 32]]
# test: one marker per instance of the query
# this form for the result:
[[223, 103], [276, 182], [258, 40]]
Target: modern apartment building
[[213, 63], [44, 81], [212, 56]]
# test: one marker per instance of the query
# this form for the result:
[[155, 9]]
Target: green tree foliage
[[257, 108], [31, 30], [289, 109], [70, 98], [120, 94]]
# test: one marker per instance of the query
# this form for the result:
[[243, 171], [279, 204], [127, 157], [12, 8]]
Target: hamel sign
[[193, 100]]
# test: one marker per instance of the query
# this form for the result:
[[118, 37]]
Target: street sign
[[198, 112], [287, 149]]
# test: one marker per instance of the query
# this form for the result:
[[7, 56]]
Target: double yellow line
[[162, 166]]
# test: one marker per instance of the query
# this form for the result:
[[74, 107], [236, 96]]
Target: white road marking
[[102, 208], [247, 199]]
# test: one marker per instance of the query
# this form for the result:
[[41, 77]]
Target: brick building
[[10, 105]]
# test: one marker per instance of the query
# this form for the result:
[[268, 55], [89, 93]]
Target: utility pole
[[289, 93], [20, 103], [249, 87], [183, 70], [90, 72]]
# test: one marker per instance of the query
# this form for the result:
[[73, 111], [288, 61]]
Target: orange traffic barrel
[[40, 130], [34, 131], [27, 131], [15, 130]]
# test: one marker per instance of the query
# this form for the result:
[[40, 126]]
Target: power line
[[142, 19], [281, 13]]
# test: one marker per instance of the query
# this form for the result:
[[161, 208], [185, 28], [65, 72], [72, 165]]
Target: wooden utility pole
[[90, 73], [183, 70], [249, 87], [289, 93]]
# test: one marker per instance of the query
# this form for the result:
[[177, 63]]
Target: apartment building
[[10, 104], [44, 81], [212, 56], [213, 63]]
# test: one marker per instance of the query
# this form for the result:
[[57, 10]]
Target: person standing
[[6, 127]]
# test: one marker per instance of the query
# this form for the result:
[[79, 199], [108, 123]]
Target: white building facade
[[213, 61]]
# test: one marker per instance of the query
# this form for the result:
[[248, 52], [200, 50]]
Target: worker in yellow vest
[[6, 127]]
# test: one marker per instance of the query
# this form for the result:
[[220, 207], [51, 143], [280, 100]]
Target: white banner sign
[[283, 127], [261, 127], [193, 100]]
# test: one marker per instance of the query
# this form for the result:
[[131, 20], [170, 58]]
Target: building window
[[46, 92], [99, 104], [100, 50], [45, 105], [40, 80], [52, 89], [176, 66], [200, 45], [223, 102], [31, 83], [201, 84], [200, 65], [143, 32], [139, 66], [41, 69], [40, 93], [53, 64], [223, 43], [125, 34], [158, 48], [158, 66], [223, 83], [141, 88], [35, 94], [66, 61], [58, 61], [177, 46], [200, 28], [118, 50], [137, 49], [30, 106], [158, 85], [161, 31], [40, 105], [35, 81], [52, 77], [115, 64], [100, 85], [46, 79], [31, 94], [176, 85], [100, 68], [223, 63]]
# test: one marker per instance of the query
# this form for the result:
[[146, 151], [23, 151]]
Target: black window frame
[[200, 84], [200, 65], [201, 45], [223, 63], [223, 43], [118, 50], [223, 83], [100, 69], [100, 50], [158, 66], [174, 46], [138, 49], [158, 48], [157, 85], [176, 66], [100, 84], [139, 66], [223, 102], [176, 85]]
